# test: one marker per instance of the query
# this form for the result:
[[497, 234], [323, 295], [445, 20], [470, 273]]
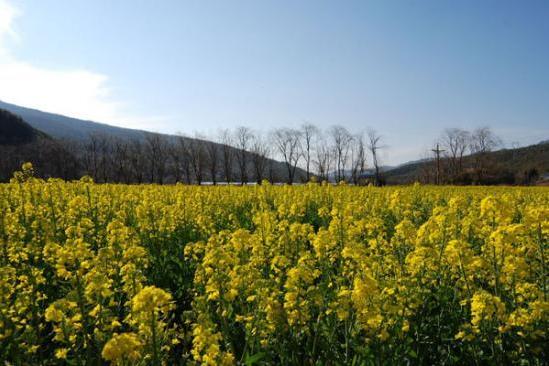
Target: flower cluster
[[312, 274]]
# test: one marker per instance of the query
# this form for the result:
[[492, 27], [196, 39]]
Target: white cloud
[[75, 92], [7, 14]]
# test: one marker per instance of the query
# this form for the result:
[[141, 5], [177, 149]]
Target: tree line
[[464, 157], [231, 156], [242, 155]]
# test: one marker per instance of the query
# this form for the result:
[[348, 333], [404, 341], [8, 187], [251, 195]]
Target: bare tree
[[138, 160], [227, 150], [92, 156], [287, 143], [183, 146], [271, 171], [358, 157], [152, 154], [175, 167], [105, 153], [323, 159], [483, 140], [260, 152], [308, 133], [374, 140], [243, 136], [341, 139], [97, 156], [156, 147], [52, 157], [121, 160], [455, 141], [70, 159], [323, 155], [212, 157], [197, 155]]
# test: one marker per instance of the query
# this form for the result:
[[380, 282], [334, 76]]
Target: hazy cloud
[[73, 92]]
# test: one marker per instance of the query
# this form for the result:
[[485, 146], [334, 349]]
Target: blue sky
[[406, 68]]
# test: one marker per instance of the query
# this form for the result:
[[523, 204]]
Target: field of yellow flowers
[[291, 275]]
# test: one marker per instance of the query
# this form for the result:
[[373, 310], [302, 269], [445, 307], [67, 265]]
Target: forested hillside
[[15, 131], [19, 142], [522, 165], [114, 154]]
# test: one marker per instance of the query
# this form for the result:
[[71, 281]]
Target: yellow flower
[[122, 347], [486, 307], [151, 299], [61, 353]]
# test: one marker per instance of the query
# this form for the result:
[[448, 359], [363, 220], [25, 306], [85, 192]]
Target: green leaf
[[250, 360]]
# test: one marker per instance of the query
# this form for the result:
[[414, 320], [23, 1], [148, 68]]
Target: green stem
[[542, 254], [154, 341]]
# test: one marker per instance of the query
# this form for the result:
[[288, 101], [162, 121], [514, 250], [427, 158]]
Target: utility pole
[[437, 152]]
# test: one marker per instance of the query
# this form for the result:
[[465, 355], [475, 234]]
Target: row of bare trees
[[234, 156], [240, 155], [49, 156], [243, 155], [163, 159], [463, 155], [331, 155]]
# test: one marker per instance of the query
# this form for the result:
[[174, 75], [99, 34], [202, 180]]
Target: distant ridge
[[15, 131], [63, 127], [508, 162], [71, 129]]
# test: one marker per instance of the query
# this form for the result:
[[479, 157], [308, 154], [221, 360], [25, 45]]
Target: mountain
[[63, 127], [15, 131], [20, 142], [77, 135], [509, 166]]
